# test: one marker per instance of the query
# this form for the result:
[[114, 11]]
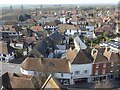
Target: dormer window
[[104, 65], [96, 72], [112, 63], [77, 72], [103, 71], [97, 65]]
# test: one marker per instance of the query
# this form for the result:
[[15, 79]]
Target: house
[[81, 68], [37, 28], [53, 83], [43, 46], [114, 45], [16, 45], [74, 20], [28, 44], [117, 27], [79, 44], [47, 19], [8, 31], [50, 26], [62, 19], [19, 81], [89, 31], [69, 30], [101, 30], [82, 22], [59, 50], [7, 53], [35, 66], [105, 65], [114, 66]]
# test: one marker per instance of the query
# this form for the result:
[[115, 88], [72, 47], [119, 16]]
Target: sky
[[59, 1]]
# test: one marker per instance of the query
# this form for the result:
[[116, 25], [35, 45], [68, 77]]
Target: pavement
[[112, 84]]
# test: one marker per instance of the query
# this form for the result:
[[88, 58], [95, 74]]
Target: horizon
[[46, 2]]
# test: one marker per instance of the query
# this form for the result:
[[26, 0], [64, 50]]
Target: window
[[85, 71], [65, 81], [4, 55], [111, 71], [77, 72], [96, 72], [103, 71], [3, 59], [118, 64], [97, 65], [117, 70], [14, 33], [104, 65], [96, 79], [61, 74], [112, 63]]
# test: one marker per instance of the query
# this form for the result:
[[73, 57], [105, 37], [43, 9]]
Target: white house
[[8, 30], [50, 26], [62, 20], [69, 30], [79, 73], [7, 53], [81, 68], [72, 32]]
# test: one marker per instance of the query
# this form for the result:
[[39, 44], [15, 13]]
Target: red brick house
[[106, 65]]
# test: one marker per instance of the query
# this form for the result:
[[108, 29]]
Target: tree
[[27, 16], [24, 17], [100, 38], [107, 39], [105, 35], [95, 41]]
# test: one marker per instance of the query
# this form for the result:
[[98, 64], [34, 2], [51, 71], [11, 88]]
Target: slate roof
[[42, 46], [59, 47], [56, 37]]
